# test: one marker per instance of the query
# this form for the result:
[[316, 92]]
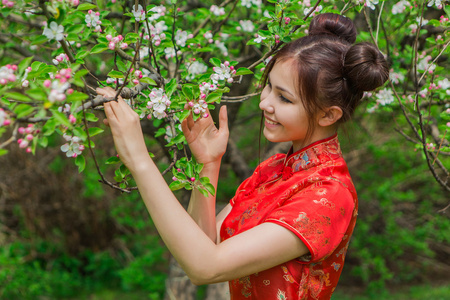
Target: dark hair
[[330, 70]]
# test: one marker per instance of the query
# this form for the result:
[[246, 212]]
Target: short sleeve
[[319, 216]]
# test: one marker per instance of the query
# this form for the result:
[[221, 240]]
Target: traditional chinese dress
[[310, 193]]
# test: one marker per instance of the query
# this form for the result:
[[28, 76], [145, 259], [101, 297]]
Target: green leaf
[[115, 74], [86, 6], [99, 48], [243, 71], [210, 188], [91, 117], [170, 87], [203, 192], [80, 162], [94, 131], [49, 127], [187, 91], [25, 63], [23, 110], [112, 160], [183, 115], [131, 37], [41, 39], [37, 94], [81, 54], [80, 133], [213, 97], [148, 80], [61, 118], [215, 62], [189, 170], [76, 96], [17, 96], [3, 152], [43, 142], [176, 185], [75, 28]]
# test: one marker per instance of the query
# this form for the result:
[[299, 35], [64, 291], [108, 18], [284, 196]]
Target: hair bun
[[365, 67], [333, 24]]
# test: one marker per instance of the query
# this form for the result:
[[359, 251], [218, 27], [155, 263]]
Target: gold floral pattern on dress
[[311, 194]]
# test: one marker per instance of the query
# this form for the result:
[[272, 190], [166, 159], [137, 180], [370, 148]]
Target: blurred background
[[64, 235]]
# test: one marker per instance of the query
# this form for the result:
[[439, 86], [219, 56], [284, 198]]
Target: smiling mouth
[[269, 121]]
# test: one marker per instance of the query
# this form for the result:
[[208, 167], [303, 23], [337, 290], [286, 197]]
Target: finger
[[190, 121], [223, 119], [110, 114], [105, 121], [185, 128]]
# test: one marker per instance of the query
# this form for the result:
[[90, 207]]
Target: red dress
[[310, 193]]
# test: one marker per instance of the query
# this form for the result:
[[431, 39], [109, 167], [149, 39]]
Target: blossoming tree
[[176, 58]]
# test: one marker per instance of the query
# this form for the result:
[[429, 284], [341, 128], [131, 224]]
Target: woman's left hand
[[126, 129]]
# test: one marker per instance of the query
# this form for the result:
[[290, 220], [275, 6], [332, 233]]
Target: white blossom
[[196, 68], [249, 3], [385, 96], [259, 39], [55, 31], [247, 25], [445, 85], [170, 52], [139, 13], [222, 47], [157, 11], [396, 77], [400, 7], [181, 38], [438, 3], [217, 11], [371, 3], [73, 148]]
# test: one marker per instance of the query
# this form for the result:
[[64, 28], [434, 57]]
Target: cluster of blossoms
[[4, 118], [116, 42], [199, 108], [158, 103], [396, 77], [224, 72], [369, 3], [217, 11], [8, 3], [445, 85], [59, 86], [306, 11], [181, 37], [73, 147], [74, 2], [7, 74], [205, 88], [246, 26], [195, 68], [424, 65], [438, 3], [28, 134], [170, 52], [92, 20], [208, 35], [414, 27], [156, 32], [54, 31], [158, 11], [249, 3], [60, 58], [385, 96], [400, 7], [110, 80]]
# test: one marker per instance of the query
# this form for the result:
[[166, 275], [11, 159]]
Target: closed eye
[[286, 100]]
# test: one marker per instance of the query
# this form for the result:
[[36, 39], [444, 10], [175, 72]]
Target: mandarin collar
[[310, 156]]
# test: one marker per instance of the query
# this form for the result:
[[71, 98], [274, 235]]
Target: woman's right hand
[[207, 143]]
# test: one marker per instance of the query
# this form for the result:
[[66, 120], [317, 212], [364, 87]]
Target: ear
[[330, 116]]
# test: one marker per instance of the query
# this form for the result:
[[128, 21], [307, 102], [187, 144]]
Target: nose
[[266, 104]]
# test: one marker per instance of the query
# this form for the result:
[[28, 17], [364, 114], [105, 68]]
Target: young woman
[[285, 233]]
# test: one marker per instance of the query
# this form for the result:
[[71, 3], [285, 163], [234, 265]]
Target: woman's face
[[285, 116]]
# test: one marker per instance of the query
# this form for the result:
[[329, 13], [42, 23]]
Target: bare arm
[[204, 261], [207, 144]]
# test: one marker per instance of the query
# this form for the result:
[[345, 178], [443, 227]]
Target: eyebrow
[[281, 88]]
